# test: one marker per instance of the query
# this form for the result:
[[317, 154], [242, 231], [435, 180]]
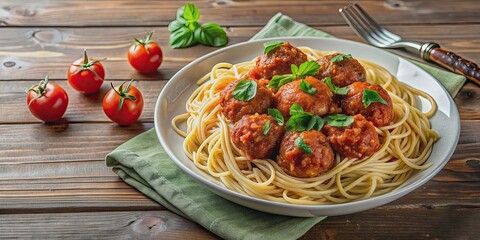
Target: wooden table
[[53, 179]]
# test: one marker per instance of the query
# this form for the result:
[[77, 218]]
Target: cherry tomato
[[145, 55], [47, 101], [123, 105], [86, 75]]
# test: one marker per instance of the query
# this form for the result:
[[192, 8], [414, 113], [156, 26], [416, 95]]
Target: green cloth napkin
[[283, 26], [142, 163]]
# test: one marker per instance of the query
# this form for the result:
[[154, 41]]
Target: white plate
[[171, 102]]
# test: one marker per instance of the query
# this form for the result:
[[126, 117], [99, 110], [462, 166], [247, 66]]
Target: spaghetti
[[405, 145]]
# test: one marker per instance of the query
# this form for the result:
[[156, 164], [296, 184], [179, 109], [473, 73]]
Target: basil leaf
[[371, 96], [339, 120], [340, 57], [303, 145], [211, 34], [307, 87], [318, 122], [269, 46], [294, 69], [279, 80], [180, 17], [276, 115], [335, 89], [309, 68], [298, 122], [190, 12], [245, 90], [181, 38], [266, 127], [296, 109], [175, 25]]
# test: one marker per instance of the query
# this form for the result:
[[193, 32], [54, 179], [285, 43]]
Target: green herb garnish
[[276, 115], [296, 109], [279, 80], [245, 90], [269, 46], [307, 87], [186, 31], [303, 145], [266, 127], [309, 68], [335, 89], [338, 120], [340, 57], [371, 96], [301, 120]]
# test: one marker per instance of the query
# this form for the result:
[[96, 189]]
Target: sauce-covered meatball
[[296, 162], [320, 103], [342, 72], [378, 113], [257, 136], [235, 109], [277, 62], [358, 140]]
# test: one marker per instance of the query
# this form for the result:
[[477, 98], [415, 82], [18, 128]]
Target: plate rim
[[384, 198]]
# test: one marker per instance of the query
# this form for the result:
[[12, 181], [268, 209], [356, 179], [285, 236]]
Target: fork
[[370, 30]]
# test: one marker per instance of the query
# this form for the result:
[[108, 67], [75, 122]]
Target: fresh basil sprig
[[245, 90], [279, 80], [266, 127], [371, 96], [301, 120], [307, 87], [303, 145], [308, 68], [334, 88], [276, 115], [186, 31], [338, 120], [269, 46], [340, 57]]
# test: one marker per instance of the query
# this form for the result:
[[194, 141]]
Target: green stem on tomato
[[123, 93], [40, 89]]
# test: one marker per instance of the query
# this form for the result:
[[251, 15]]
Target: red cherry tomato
[[145, 55], [47, 101], [123, 105], [86, 75]]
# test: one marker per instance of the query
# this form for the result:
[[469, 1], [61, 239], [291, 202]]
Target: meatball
[[378, 113], [320, 103], [235, 109], [358, 140], [277, 62], [248, 135], [342, 73], [295, 162]]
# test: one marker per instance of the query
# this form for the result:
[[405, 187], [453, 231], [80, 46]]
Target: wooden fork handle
[[455, 63]]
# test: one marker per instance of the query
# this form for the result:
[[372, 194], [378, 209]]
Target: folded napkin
[[142, 163]]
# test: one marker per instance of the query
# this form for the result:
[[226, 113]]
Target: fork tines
[[367, 27]]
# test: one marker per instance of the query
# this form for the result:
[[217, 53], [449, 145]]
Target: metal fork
[[370, 30]]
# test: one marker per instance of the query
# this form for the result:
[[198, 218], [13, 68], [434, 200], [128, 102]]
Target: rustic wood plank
[[31, 53], [102, 225], [61, 168], [442, 223], [88, 108], [41, 143], [81, 108], [446, 223], [225, 12]]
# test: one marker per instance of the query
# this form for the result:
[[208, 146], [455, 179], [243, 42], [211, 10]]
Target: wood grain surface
[[53, 180]]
